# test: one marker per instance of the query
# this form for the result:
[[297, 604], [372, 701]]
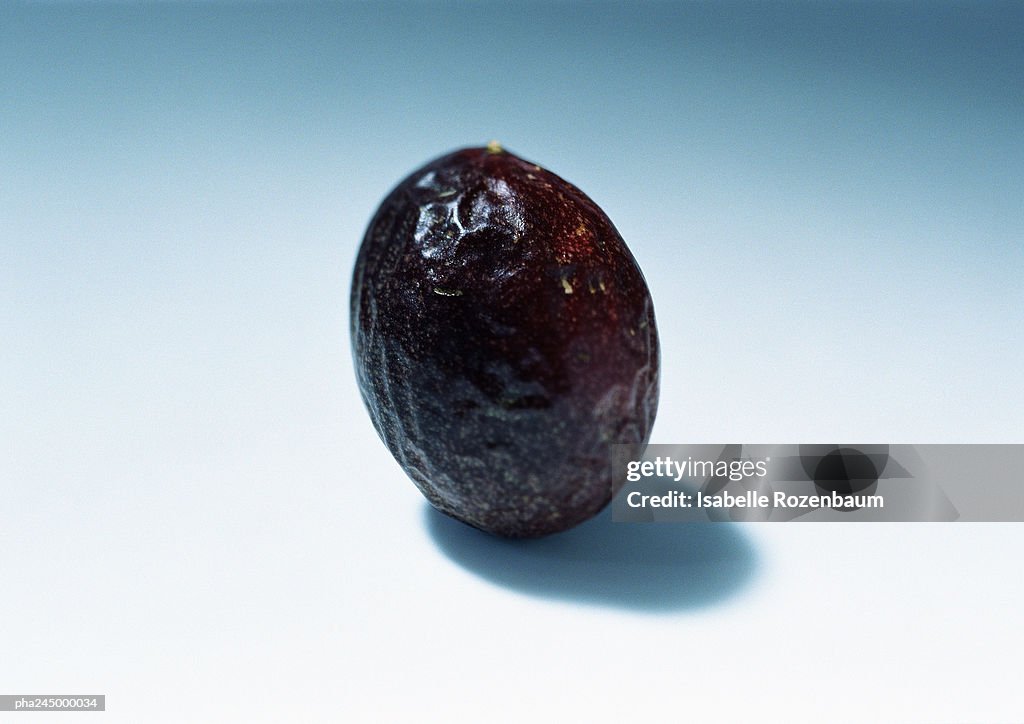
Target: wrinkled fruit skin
[[503, 338]]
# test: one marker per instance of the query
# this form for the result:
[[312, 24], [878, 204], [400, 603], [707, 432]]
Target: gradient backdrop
[[199, 520]]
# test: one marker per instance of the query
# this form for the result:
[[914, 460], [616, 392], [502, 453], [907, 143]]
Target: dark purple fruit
[[504, 339]]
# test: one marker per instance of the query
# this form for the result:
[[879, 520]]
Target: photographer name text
[[752, 499]]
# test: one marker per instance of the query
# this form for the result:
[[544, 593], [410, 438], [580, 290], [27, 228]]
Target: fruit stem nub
[[494, 147]]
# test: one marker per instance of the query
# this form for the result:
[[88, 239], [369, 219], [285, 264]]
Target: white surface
[[299, 581]]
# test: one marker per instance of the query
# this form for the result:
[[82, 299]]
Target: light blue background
[[826, 201]]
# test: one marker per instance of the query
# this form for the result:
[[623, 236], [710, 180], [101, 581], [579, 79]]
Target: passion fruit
[[503, 338]]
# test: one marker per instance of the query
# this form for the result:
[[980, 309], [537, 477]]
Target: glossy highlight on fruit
[[503, 339]]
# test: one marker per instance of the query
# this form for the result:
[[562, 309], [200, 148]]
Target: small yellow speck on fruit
[[448, 292], [494, 147], [566, 286]]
